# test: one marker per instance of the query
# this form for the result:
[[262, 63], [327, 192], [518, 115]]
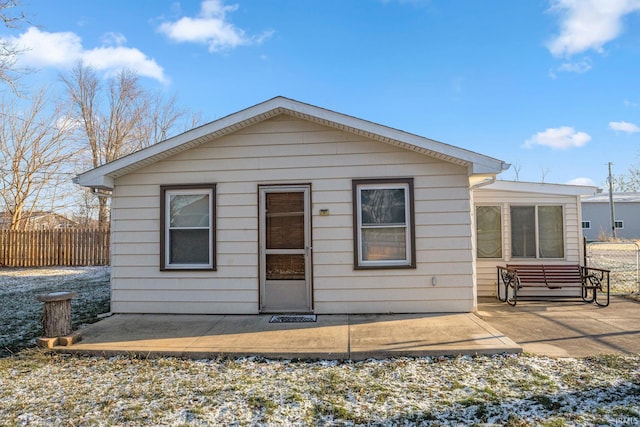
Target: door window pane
[[285, 267], [488, 232], [285, 220]]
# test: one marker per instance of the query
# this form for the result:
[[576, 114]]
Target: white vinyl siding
[[287, 150]]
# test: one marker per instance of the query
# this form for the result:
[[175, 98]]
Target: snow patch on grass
[[39, 388], [20, 311], [484, 390]]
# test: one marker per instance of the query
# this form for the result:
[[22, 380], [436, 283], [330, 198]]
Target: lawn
[[43, 388], [20, 311]]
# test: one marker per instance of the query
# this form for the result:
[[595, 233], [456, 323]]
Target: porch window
[[488, 232], [187, 233], [537, 232], [383, 224]]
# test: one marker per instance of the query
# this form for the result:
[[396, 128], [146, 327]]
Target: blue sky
[[550, 86]]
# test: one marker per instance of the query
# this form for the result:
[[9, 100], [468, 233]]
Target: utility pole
[[613, 214]]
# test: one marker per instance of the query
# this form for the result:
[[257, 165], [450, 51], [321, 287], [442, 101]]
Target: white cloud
[[579, 67], [582, 181], [113, 39], [63, 50], [628, 103], [588, 24], [624, 127], [558, 138], [211, 27]]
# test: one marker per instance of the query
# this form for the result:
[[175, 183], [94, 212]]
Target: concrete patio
[[557, 329], [353, 337]]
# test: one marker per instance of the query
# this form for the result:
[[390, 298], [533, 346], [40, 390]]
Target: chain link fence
[[622, 258]]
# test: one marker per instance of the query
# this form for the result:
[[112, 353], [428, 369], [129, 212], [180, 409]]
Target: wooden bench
[[592, 282]]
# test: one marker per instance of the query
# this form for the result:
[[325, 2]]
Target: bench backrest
[[548, 274]]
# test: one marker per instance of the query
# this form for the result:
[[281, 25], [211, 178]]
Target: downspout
[[100, 192]]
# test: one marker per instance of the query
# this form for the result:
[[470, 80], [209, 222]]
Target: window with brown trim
[[187, 227], [384, 235]]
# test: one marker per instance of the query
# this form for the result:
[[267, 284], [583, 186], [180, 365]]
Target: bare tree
[[117, 117], [545, 172], [628, 182], [34, 149], [9, 52], [516, 171]]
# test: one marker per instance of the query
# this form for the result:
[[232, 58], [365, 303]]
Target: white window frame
[[502, 244], [618, 224], [537, 231], [586, 225], [169, 191], [393, 184]]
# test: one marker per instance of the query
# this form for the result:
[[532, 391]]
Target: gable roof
[[103, 176]]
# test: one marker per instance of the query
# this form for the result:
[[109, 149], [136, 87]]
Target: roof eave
[[103, 176]]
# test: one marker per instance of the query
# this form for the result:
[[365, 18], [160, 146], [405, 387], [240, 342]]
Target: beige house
[[287, 207]]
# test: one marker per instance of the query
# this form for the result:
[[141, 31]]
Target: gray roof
[[617, 198]]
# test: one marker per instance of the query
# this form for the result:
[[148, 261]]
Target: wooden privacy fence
[[63, 247]]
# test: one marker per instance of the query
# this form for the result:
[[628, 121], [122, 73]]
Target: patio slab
[[567, 329], [353, 337]]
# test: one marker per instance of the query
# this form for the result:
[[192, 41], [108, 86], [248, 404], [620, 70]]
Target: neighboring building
[[288, 207], [596, 216], [39, 220]]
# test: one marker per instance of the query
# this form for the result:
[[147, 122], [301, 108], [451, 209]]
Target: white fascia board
[[94, 177], [103, 176], [542, 188], [480, 164], [94, 180]]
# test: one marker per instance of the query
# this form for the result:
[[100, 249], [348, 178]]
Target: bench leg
[[604, 288], [596, 285], [588, 294], [513, 285]]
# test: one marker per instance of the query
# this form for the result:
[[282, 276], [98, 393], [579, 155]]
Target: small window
[[187, 227], [537, 232], [586, 225], [383, 223], [488, 232], [618, 224]]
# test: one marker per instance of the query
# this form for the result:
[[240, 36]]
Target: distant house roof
[[617, 198], [479, 165], [38, 219]]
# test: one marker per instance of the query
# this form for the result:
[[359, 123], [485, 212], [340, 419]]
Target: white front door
[[285, 248]]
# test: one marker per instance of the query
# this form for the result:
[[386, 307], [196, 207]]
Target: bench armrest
[[599, 270]]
